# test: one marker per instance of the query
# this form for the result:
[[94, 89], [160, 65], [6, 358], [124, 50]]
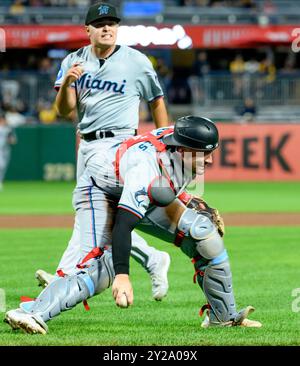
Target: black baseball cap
[[101, 11]]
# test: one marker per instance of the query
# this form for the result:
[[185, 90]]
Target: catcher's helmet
[[197, 133]]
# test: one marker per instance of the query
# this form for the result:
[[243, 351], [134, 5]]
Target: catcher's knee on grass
[[65, 292]]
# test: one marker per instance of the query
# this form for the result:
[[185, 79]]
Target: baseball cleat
[[242, 320], [43, 277], [7, 319], [19, 319], [159, 277]]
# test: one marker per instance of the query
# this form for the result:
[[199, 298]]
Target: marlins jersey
[[109, 91], [138, 167]]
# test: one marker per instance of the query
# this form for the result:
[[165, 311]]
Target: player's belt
[[102, 134]]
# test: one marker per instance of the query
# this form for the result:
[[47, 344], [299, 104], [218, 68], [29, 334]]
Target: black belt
[[95, 135]]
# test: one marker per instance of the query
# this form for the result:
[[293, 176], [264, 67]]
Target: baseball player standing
[[105, 83], [7, 138]]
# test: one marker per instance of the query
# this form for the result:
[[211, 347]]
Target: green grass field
[[264, 260], [19, 198]]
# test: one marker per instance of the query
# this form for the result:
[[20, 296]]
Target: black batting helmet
[[193, 132]]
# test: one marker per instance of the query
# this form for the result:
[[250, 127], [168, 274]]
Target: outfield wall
[[255, 152], [252, 152], [43, 153]]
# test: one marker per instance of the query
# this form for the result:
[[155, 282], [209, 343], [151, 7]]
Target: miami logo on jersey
[[86, 82], [140, 196]]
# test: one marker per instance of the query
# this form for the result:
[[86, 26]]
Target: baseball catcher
[[140, 182]]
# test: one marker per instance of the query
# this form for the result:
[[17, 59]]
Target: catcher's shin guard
[[65, 292], [216, 282], [214, 277], [211, 263]]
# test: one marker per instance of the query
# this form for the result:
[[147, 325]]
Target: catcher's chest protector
[[147, 137]]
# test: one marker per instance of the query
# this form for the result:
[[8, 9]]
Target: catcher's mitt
[[200, 205]]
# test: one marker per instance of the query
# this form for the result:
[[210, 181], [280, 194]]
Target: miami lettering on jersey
[[86, 82]]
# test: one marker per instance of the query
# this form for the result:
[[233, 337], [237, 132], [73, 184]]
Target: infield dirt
[[231, 219]]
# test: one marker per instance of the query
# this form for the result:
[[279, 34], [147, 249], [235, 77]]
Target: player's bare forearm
[[174, 211], [159, 113], [65, 101]]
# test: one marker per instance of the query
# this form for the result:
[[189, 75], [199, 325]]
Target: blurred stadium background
[[236, 62]]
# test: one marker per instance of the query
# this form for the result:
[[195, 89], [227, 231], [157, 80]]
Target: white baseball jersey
[[137, 169], [109, 91], [5, 133]]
